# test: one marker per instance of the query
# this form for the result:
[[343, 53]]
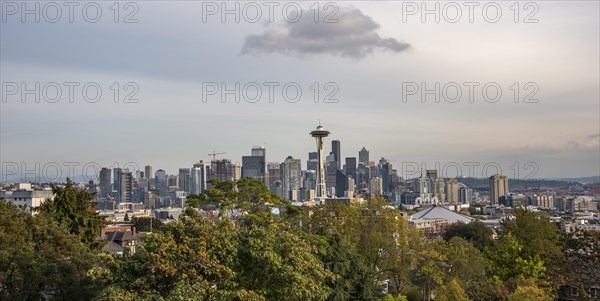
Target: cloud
[[591, 144], [353, 35]]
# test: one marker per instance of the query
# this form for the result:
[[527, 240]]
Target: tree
[[582, 259], [508, 260], [539, 239], [475, 232], [200, 259], [142, 224], [41, 260], [452, 291], [284, 267], [466, 265], [126, 218], [74, 208]]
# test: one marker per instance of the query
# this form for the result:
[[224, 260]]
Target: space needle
[[320, 133]]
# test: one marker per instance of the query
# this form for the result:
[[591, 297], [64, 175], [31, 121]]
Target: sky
[[517, 84]]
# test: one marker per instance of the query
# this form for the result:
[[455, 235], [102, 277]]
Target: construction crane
[[214, 155], [112, 200]]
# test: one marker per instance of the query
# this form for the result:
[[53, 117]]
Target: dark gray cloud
[[353, 35]]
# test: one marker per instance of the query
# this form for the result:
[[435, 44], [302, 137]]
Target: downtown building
[[198, 178], [291, 178], [498, 188]]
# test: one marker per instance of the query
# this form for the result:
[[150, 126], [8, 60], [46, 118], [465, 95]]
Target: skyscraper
[[313, 161], [126, 186], [351, 167], [375, 186], [291, 176], [224, 170], [161, 182], [341, 183], [337, 153], [320, 134], [465, 195], [117, 183], [363, 156], [184, 179], [498, 188], [148, 171], [274, 176], [198, 178], [254, 166], [105, 184], [386, 171], [452, 192]]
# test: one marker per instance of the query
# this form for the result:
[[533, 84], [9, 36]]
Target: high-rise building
[[254, 166], [310, 180], [313, 161], [320, 134], [148, 171], [184, 179], [172, 182], [376, 186], [198, 178], [386, 171], [465, 195], [350, 167], [498, 188], [161, 182], [274, 178], [363, 173], [224, 170], [363, 156], [452, 191], [337, 153], [291, 176], [341, 183], [350, 191], [105, 184], [117, 183], [122, 184]]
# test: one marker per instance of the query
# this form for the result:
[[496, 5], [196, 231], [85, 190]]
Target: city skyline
[[172, 126]]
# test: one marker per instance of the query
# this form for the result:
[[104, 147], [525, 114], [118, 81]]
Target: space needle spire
[[320, 133]]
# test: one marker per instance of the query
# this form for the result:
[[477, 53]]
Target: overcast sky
[[365, 58]]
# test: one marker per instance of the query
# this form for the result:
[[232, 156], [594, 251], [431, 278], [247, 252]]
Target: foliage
[[452, 291], [508, 260], [582, 259], [74, 208], [40, 259], [336, 251], [142, 224], [475, 232], [208, 260]]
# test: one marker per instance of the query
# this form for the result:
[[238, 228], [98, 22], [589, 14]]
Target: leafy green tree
[[201, 259], [475, 232], [535, 233], [169, 262], [41, 260], [539, 238], [75, 209], [126, 218], [508, 260], [284, 267], [466, 265]]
